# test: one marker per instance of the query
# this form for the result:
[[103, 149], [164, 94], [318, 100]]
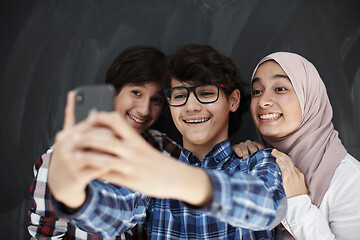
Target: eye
[[137, 93], [206, 94], [280, 89], [179, 96], [256, 92]]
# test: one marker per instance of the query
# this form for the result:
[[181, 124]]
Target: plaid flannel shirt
[[247, 195], [46, 225]]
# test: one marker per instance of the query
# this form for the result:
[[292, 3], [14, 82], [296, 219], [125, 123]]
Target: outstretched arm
[[138, 166], [123, 157]]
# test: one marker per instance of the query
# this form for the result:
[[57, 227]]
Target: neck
[[200, 150]]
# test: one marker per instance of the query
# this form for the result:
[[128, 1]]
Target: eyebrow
[[276, 76], [140, 85], [281, 76], [137, 85]]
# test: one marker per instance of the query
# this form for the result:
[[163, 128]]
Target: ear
[[234, 100]]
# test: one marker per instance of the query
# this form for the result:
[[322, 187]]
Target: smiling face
[[140, 104], [203, 124], [275, 108]]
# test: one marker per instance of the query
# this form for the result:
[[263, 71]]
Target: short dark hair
[[138, 64], [197, 63]]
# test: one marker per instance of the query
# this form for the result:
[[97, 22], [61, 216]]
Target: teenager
[[292, 113], [208, 192], [136, 75]]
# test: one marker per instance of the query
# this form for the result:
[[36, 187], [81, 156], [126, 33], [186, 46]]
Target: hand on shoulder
[[293, 178]]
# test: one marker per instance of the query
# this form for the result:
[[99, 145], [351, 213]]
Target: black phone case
[[93, 98]]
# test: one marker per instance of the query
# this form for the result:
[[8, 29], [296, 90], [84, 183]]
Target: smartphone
[[93, 98]]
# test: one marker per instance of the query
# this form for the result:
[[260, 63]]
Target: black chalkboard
[[51, 46]]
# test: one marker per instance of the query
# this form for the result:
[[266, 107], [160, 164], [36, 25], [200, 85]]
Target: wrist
[[73, 201], [197, 189]]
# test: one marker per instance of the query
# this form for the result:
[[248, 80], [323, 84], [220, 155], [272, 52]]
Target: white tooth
[[136, 119], [197, 120], [270, 116]]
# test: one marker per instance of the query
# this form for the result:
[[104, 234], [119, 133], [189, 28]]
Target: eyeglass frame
[[168, 91]]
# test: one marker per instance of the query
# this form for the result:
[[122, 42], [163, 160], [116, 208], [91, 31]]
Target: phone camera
[[79, 97]]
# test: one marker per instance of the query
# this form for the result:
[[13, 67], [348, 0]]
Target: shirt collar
[[219, 152]]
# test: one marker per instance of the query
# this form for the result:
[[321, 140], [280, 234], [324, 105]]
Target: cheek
[[122, 104], [292, 105], [293, 111], [253, 105], [118, 103], [298, 115], [175, 113], [156, 111]]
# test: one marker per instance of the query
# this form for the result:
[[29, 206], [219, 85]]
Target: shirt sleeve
[[43, 222], [108, 210], [338, 216], [304, 219], [255, 200]]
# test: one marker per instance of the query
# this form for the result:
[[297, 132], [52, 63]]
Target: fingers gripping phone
[[93, 98]]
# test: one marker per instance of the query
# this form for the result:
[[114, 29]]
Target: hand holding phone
[[93, 98]]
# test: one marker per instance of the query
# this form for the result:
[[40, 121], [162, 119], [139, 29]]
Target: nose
[[192, 103], [265, 101], [144, 107]]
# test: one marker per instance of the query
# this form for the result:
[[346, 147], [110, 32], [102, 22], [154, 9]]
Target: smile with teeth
[[197, 120], [136, 119], [271, 116]]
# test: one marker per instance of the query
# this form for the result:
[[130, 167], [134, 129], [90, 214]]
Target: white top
[[338, 216]]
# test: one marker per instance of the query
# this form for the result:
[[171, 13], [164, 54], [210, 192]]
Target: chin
[[267, 133], [196, 140], [272, 135]]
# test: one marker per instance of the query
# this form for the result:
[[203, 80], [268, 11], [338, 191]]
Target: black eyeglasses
[[204, 93]]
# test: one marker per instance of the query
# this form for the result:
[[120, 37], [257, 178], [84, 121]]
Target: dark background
[[51, 46]]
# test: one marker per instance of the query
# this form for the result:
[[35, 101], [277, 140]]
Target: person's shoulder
[[346, 179], [351, 162], [160, 140], [347, 173], [264, 153], [155, 133], [262, 157], [45, 157], [349, 167]]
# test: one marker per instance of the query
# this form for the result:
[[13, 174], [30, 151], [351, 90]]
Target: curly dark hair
[[138, 64], [197, 64]]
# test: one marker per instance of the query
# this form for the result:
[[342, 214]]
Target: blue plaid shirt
[[247, 195]]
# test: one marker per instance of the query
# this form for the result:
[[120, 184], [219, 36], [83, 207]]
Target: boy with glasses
[[208, 193]]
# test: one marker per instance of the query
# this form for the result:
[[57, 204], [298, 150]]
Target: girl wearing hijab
[[292, 113]]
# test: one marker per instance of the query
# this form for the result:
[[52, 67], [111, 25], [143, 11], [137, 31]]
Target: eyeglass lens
[[204, 93]]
